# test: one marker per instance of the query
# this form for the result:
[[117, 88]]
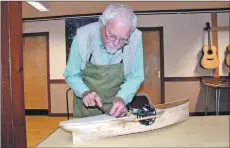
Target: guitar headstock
[[208, 27]]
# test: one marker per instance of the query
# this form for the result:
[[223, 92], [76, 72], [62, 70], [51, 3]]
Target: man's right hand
[[91, 99]]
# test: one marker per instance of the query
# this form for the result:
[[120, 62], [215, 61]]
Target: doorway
[[36, 86], [153, 85], [36, 72]]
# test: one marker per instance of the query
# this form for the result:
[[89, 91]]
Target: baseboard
[[46, 112], [209, 113], [37, 112], [60, 115]]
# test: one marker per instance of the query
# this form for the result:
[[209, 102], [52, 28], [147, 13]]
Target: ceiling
[[76, 8]]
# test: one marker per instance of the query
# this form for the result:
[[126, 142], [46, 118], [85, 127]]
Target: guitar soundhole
[[209, 51]]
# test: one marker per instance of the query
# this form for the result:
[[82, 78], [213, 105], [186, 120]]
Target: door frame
[[160, 29], [13, 123], [47, 70]]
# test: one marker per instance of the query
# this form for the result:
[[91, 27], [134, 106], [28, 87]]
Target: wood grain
[[12, 99], [39, 127], [77, 8], [104, 126], [202, 131], [152, 83], [220, 28], [215, 40], [35, 71]]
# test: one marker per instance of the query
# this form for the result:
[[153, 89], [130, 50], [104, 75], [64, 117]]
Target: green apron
[[105, 80]]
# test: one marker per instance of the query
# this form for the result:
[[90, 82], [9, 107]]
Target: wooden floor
[[38, 127]]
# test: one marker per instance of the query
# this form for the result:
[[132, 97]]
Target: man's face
[[115, 34]]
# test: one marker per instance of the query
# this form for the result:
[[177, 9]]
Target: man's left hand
[[118, 109]]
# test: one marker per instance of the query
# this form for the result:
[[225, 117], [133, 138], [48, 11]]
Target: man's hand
[[118, 109], [91, 99]]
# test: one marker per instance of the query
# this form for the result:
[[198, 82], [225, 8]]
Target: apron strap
[[122, 53], [90, 58]]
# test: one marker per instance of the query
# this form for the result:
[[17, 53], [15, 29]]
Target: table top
[[216, 83], [198, 131]]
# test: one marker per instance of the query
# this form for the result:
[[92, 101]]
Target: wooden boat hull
[[90, 129]]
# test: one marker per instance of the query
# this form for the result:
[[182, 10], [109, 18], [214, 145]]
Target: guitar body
[[210, 59], [227, 59]]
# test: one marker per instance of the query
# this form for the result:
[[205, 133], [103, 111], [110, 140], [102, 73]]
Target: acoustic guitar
[[210, 59], [227, 59]]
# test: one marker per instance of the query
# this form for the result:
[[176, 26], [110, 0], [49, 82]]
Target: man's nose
[[116, 42]]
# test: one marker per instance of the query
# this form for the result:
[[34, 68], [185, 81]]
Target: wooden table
[[216, 84], [196, 131]]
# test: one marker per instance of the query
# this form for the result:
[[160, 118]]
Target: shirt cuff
[[126, 97]]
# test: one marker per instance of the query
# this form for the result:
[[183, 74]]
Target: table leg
[[207, 99], [217, 101]]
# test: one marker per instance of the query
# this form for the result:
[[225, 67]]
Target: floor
[[38, 127]]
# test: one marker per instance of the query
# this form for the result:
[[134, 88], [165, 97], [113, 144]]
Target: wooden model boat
[[103, 126]]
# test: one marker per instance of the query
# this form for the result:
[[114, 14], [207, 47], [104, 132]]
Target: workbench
[[196, 131]]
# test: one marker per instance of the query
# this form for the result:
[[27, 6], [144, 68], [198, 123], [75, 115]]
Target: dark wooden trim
[[151, 28], [162, 73], [170, 79], [160, 29], [208, 113], [214, 40], [58, 81], [48, 73], [149, 12], [60, 115], [36, 34], [34, 112], [13, 126], [190, 114], [48, 61]]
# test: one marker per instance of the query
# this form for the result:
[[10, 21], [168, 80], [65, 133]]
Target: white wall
[[57, 46], [224, 41], [183, 41]]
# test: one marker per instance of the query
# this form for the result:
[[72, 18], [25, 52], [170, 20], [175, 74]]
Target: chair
[[67, 101], [138, 102]]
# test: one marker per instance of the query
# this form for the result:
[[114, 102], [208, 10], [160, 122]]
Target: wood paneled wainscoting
[[176, 88], [191, 87], [58, 88]]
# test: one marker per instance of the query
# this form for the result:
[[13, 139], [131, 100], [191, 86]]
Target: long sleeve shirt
[[128, 89]]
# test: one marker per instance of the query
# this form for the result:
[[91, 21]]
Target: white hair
[[116, 10]]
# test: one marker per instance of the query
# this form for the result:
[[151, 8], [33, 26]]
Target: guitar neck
[[208, 28], [209, 38]]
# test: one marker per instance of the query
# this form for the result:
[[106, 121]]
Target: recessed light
[[39, 6]]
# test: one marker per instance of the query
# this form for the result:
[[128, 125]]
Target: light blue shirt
[[127, 90]]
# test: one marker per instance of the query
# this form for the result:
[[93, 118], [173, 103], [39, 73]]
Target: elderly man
[[105, 65]]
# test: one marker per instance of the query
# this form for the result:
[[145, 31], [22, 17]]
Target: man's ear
[[102, 27]]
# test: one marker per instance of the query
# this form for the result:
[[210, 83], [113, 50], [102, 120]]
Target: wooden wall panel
[[175, 89], [76, 8], [151, 86], [12, 102], [196, 92], [214, 40], [36, 70], [58, 98]]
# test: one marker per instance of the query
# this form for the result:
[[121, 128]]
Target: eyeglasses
[[112, 37]]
